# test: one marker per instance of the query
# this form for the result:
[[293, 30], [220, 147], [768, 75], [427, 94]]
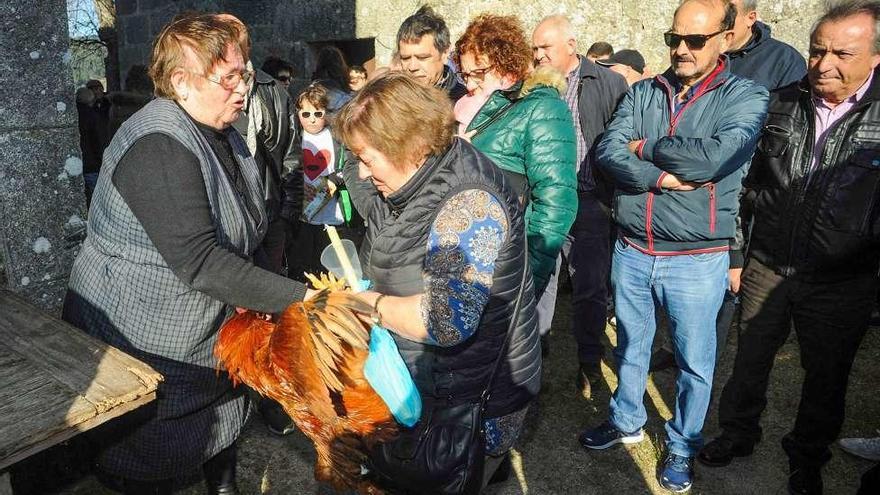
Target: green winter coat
[[534, 137]]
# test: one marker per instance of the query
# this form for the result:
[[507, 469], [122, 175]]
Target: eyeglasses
[[319, 114], [478, 74], [229, 81], [693, 41]]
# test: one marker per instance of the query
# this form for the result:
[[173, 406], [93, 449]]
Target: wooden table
[[56, 381]]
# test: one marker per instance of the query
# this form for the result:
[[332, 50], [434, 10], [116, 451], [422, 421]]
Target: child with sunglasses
[[325, 198]]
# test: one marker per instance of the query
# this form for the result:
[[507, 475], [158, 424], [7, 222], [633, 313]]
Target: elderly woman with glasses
[[445, 251], [518, 119], [173, 231]]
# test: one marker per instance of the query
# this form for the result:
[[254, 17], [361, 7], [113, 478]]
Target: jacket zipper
[[711, 188]]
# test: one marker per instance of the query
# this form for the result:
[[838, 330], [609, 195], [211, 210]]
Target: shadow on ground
[[550, 461]]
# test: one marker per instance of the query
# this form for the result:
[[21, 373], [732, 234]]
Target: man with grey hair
[[423, 45], [815, 244], [592, 95]]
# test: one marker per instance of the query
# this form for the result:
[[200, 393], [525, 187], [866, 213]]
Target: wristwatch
[[375, 316]]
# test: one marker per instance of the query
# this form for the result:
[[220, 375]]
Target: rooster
[[311, 361]]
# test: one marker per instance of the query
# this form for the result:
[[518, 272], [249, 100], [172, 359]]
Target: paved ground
[[549, 460]]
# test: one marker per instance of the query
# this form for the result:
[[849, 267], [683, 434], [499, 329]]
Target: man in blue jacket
[[677, 149], [755, 55]]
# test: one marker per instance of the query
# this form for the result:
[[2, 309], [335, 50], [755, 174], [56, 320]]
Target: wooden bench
[[56, 381]]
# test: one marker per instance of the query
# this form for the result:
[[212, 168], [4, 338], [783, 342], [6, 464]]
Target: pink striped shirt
[[826, 117]]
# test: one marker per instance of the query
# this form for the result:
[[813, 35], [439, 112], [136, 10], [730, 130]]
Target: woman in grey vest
[[445, 251], [174, 226]]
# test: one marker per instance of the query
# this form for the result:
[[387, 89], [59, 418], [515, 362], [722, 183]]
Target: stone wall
[[42, 204], [285, 27], [281, 28], [623, 23]]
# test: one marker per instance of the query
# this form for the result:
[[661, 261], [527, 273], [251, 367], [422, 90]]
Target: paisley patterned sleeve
[[463, 244]]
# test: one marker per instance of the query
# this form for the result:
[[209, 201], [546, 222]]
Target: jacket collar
[[398, 200], [760, 34], [718, 76], [588, 68]]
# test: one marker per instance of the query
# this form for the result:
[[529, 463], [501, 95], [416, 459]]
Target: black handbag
[[444, 453]]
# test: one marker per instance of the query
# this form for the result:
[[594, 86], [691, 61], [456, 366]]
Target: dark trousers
[[304, 250], [273, 244], [830, 320], [587, 249]]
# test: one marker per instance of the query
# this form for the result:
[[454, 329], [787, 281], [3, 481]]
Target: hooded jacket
[[528, 132], [767, 61], [709, 140]]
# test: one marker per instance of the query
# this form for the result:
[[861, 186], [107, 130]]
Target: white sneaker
[[867, 448]]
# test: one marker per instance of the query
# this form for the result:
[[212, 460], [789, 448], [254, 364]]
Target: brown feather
[[316, 347]]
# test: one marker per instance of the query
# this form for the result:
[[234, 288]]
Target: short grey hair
[[562, 25], [749, 5], [836, 10]]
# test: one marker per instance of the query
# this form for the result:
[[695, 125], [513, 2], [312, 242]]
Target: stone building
[[365, 30]]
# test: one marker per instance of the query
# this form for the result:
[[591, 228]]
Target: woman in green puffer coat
[[518, 119]]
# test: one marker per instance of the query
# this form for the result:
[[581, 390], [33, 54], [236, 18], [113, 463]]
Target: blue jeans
[[690, 288]]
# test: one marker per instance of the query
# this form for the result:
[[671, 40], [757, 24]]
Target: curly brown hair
[[499, 38]]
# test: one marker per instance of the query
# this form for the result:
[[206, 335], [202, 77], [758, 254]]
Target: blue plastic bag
[[390, 378]]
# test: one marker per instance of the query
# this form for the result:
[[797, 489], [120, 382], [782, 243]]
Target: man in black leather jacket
[[815, 244], [267, 129]]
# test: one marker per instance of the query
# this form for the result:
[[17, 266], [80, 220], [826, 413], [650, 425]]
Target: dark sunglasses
[[306, 115], [693, 41], [283, 79]]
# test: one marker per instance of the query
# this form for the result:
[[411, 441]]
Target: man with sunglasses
[[756, 55], [813, 256], [677, 149]]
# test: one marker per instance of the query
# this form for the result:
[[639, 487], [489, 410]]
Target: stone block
[[250, 12], [126, 7], [34, 59], [136, 29], [41, 196], [159, 18]]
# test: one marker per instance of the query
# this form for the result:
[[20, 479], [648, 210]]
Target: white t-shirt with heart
[[319, 161]]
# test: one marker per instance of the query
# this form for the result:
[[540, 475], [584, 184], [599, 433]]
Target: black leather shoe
[[722, 450], [503, 472], [588, 374], [220, 473], [277, 421], [805, 481]]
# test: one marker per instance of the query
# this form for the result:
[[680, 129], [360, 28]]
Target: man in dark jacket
[[773, 64], [815, 244], [759, 57], [677, 148], [592, 95], [423, 46]]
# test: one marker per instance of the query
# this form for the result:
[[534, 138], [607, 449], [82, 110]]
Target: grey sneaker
[[866, 448]]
